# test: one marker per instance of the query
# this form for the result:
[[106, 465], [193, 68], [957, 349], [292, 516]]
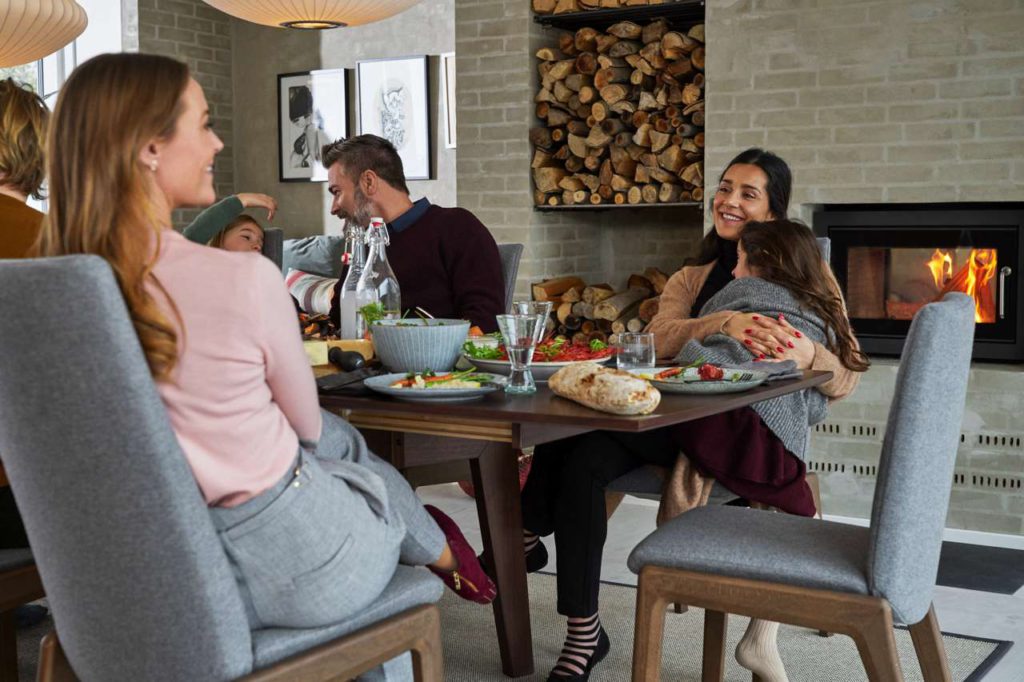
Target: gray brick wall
[[497, 79], [200, 36], [878, 100]]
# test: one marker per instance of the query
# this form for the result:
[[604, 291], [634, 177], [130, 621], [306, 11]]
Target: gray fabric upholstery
[[137, 580], [273, 245], [14, 558], [915, 473], [898, 557], [747, 543], [510, 255], [319, 255], [408, 588]]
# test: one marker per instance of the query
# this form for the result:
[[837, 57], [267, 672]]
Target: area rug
[[471, 649]]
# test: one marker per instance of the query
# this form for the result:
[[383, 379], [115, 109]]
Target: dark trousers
[[564, 495], [12, 532]]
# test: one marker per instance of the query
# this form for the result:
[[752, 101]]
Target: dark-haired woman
[[565, 493]]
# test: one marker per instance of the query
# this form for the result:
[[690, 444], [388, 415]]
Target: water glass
[[520, 333], [542, 308], [634, 350]]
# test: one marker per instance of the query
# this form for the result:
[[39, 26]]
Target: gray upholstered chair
[[510, 256], [273, 245], [819, 574], [139, 585], [19, 584]]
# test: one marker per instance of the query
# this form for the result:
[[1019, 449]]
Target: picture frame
[[448, 95], [312, 110], [394, 102]]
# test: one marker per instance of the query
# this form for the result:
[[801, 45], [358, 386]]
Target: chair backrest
[[273, 245], [825, 245], [915, 474], [138, 582], [510, 255]]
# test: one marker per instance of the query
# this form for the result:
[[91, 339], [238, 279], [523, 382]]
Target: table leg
[[496, 479]]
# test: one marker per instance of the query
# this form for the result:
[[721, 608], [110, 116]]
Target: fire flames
[[973, 279]]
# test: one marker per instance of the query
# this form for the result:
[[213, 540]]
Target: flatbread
[[605, 389]]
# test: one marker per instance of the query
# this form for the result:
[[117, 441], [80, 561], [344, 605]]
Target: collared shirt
[[407, 219]]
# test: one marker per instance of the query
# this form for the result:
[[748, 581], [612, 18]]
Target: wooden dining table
[[427, 439]]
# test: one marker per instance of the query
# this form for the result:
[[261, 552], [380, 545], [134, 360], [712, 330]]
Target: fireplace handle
[[1004, 272]]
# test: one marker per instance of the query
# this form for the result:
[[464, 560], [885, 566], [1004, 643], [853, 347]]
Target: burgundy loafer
[[469, 580]]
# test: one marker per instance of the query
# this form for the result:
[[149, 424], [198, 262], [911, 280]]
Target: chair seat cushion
[[408, 588], [14, 558], [760, 545]]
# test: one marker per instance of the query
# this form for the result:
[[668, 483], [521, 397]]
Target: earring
[[152, 165]]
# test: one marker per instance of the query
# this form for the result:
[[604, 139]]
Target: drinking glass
[[520, 333], [542, 308], [634, 350]]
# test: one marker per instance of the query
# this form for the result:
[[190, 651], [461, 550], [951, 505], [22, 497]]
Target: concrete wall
[[200, 36], [261, 53]]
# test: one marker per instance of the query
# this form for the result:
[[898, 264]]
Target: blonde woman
[[294, 493]]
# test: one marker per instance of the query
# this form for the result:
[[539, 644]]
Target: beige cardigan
[[685, 487]]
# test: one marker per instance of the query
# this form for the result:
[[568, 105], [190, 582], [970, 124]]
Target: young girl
[[224, 226], [242, 234], [311, 521]]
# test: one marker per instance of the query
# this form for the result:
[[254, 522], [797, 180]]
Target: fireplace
[[892, 259]]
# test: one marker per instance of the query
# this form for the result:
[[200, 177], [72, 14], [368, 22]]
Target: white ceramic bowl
[[418, 345]]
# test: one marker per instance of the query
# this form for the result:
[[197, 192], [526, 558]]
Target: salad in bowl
[[548, 357]]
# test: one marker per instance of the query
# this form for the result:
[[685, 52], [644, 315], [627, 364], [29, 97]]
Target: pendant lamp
[[312, 14], [32, 29]]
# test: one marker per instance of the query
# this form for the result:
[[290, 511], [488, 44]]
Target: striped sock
[[580, 642], [530, 541]]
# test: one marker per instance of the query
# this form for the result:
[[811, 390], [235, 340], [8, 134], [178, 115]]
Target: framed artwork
[[394, 103], [448, 93], [312, 110]]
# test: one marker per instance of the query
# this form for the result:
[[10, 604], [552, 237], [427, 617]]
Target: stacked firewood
[[562, 6], [585, 312], [623, 116]]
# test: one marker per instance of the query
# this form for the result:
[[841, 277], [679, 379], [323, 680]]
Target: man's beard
[[363, 210]]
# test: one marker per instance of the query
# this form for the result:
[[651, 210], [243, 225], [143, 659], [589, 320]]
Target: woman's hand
[[256, 200], [766, 337]]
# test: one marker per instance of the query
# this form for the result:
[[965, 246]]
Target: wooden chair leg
[[931, 653], [8, 648], [53, 664], [427, 658], [713, 667], [648, 633], [680, 608], [815, 485], [876, 643]]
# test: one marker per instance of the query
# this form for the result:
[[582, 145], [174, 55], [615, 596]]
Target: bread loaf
[[605, 389]]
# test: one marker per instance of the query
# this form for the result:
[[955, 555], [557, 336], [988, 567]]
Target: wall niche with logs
[[620, 105]]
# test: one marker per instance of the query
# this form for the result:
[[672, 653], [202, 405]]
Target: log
[[595, 293], [630, 313], [697, 194], [585, 40], [612, 307], [634, 195], [568, 198], [574, 164], [586, 63], [647, 101], [635, 325], [649, 308], [548, 54], [564, 6], [669, 194], [543, 6], [549, 288], [573, 295], [541, 159], [659, 140], [675, 45], [697, 32], [561, 69], [620, 184], [566, 43], [657, 278], [637, 281], [671, 159], [605, 77], [540, 137], [624, 106], [697, 57], [642, 136], [614, 93], [572, 323], [641, 176], [694, 173], [598, 138], [650, 193], [575, 81], [653, 31], [563, 311], [599, 111], [619, 198], [606, 172], [591, 181], [578, 146], [691, 93], [547, 179], [587, 94], [606, 62], [625, 29], [624, 47], [571, 183], [557, 117], [605, 42], [588, 326]]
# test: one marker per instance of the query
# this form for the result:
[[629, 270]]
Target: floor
[[973, 612]]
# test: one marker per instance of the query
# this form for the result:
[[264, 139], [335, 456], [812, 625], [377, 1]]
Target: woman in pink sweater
[[313, 523]]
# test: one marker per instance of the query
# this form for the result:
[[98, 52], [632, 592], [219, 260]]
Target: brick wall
[[497, 80], [872, 101], [200, 36]]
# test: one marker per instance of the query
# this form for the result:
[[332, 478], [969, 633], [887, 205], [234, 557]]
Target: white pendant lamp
[[32, 29], [312, 14]]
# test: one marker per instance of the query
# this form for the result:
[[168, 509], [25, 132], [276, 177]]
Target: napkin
[[776, 370]]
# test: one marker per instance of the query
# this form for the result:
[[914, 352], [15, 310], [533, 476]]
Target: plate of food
[[703, 378], [548, 357], [429, 386]]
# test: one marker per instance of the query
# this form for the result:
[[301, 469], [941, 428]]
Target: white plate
[[691, 383], [382, 384], [541, 371]]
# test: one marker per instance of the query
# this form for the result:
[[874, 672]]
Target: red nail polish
[[761, 356], [748, 342], [781, 316], [755, 317], [757, 359], [748, 331], [779, 349], [799, 335], [790, 344]]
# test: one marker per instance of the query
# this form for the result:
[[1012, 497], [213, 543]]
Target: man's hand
[[256, 200]]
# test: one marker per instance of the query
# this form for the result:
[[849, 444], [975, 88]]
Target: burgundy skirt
[[742, 453]]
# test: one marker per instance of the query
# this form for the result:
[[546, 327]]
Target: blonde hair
[[23, 121], [100, 193], [218, 239]]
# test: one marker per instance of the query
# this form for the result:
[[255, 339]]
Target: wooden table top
[[544, 407]]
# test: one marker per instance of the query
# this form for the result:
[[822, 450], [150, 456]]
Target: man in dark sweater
[[445, 260]]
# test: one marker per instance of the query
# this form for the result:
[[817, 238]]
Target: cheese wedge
[[316, 351]]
